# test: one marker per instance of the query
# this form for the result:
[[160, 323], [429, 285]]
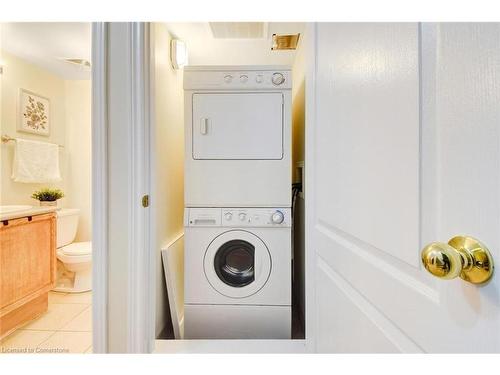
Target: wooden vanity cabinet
[[27, 269]]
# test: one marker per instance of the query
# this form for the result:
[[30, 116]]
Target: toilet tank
[[67, 225]]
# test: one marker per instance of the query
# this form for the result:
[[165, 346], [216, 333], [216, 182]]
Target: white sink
[[13, 208]]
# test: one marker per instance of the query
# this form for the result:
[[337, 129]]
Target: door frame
[[134, 71], [140, 315], [99, 188], [308, 187], [141, 266]]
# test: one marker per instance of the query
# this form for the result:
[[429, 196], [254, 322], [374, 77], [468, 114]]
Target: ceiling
[[244, 30], [45, 44], [232, 48]]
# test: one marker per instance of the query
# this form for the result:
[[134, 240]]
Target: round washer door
[[237, 264]]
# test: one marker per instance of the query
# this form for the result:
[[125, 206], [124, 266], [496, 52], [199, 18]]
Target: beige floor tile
[[56, 297], [82, 322], [57, 316], [85, 297], [67, 342], [22, 340]]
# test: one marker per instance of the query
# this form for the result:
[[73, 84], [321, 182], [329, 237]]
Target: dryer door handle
[[204, 126]]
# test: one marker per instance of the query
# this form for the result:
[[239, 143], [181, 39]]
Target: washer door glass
[[237, 263], [234, 263]]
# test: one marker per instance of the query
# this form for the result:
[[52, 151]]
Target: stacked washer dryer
[[238, 202]]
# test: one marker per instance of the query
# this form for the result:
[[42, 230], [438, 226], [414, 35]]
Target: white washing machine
[[237, 273], [238, 136]]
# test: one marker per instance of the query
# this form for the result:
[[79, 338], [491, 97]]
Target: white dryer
[[237, 273], [238, 136]]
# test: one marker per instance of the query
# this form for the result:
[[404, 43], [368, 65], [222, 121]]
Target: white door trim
[[99, 188], [308, 188], [141, 267], [139, 317]]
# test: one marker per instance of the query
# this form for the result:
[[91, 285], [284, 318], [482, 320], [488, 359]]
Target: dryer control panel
[[238, 78], [238, 217]]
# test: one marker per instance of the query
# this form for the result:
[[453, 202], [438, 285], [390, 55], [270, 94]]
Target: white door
[[404, 151], [238, 126]]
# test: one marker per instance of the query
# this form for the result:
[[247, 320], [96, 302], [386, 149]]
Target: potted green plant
[[48, 196]]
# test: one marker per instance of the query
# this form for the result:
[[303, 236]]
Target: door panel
[[238, 126], [405, 151], [468, 87], [359, 325], [370, 135]]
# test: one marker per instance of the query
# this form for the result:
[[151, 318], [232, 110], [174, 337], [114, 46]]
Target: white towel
[[35, 162]]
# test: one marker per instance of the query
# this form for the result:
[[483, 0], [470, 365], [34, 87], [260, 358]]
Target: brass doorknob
[[462, 256]]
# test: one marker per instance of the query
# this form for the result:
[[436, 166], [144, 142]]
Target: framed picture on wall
[[34, 113]]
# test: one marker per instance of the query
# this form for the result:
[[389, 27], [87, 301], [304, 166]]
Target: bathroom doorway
[[45, 193]]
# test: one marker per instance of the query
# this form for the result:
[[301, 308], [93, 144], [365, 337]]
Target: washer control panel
[[238, 217], [256, 217]]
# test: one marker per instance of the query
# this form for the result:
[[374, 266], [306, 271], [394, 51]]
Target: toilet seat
[[77, 248], [76, 252]]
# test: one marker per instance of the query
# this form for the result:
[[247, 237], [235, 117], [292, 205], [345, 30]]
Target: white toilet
[[75, 256]]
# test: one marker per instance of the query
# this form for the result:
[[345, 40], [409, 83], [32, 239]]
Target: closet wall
[[167, 195], [299, 70]]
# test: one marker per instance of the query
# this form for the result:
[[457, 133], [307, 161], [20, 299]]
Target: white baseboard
[[229, 346]]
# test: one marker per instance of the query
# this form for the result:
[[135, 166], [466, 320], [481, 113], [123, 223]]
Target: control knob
[[228, 216], [243, 216], [228, 78], [278, 79], [278, 217]]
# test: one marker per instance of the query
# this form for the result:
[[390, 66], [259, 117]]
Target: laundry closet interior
[[227, 199]]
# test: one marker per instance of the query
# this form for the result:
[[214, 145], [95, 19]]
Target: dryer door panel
[[238, 126]]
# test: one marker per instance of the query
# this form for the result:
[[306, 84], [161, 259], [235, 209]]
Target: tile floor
[[66, 327]]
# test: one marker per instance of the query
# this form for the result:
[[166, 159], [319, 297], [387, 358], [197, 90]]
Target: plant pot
[[48, 203]]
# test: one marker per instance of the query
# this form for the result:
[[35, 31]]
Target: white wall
[[167, 159], [69, 126]]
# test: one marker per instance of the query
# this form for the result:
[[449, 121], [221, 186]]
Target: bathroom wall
[[18, 74], [70, 126], [79, 148], [167, 195]]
